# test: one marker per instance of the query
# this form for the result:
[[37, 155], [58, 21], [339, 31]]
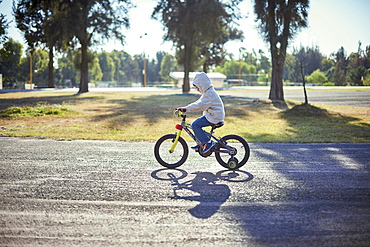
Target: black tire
[[241, 147], [167, 159]]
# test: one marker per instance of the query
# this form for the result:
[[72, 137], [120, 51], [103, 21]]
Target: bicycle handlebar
[[179, 113]]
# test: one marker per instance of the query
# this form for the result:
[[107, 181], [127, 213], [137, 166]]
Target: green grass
[[132, 116], [40, 110]]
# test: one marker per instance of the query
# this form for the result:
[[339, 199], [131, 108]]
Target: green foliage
[[67, 72], [95, 71], [107, 66], [88, 18], [326, 64], [366, 80], [328, 84], [193, 25], [10, 57], [339, 74], [233, 67], [167, 66], [4, 25], [317, 77]]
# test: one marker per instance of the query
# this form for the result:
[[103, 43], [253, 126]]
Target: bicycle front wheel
[[165, 157], [237, 153]]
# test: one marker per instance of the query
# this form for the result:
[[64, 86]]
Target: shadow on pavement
[[204, 188]]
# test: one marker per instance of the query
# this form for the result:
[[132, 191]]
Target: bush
[[317, 77], [329, 84], [366, 80]]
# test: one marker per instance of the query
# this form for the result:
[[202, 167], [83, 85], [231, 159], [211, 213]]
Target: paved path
[[104, 193]]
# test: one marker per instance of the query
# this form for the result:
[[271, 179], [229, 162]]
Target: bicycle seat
[[217, 125]]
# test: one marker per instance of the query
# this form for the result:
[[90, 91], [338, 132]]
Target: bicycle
[[171, 150]]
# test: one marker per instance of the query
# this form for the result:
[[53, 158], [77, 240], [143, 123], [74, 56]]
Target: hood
[[203, 82]]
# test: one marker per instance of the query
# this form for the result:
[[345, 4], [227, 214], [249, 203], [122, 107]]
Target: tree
[[214, 53], [117, 66], [67, 71], [95, 72], [192, 25], [357, 63], [341, 61], [317, 77], [233, 67], [107, 66], [279, 21], [40, 63], [90, 17], [42, 24], [264, 62], [4, 25], [314, 58], [10, 57], [291, 69], [130, 68], [167, 66]]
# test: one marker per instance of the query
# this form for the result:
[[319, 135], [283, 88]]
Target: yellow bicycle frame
[[178, 134]]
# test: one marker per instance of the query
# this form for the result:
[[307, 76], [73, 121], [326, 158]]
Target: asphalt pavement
[[110, 193]]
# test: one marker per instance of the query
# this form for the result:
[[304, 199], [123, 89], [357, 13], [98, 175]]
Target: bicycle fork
[[175, 141]]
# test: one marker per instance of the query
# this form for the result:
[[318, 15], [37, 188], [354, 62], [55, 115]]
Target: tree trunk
[[276, 89], [84, 69], [51, 68], [304, 84], [186, 83], [187, 68]]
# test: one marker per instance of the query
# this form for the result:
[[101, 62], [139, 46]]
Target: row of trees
[[58, 25], [198, 30], [305, 63], [339, 68], [117, 66], [124, 69]]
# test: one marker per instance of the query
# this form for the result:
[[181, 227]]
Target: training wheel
[[232, 163]]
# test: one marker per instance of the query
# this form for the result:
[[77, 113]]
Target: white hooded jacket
[[210, 102]]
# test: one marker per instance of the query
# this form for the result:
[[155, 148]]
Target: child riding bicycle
[[211, 105]]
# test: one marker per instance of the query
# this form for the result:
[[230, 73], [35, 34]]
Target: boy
[[211, 105]]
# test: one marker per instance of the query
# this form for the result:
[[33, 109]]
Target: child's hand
[[182, 109]]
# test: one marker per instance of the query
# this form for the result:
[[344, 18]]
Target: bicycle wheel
[[163, 155], [239, 155]]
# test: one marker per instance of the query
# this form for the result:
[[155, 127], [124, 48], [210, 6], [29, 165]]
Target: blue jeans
[[197, 126]]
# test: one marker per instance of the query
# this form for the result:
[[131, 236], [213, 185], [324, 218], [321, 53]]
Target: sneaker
[[208, 146]]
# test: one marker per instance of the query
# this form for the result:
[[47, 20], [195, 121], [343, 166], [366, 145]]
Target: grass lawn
[[132, 116]]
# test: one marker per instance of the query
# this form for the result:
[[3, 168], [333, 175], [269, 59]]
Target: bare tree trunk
[[51, 68], [187, 67], [276, 89], [186, 83], [304, 84], [84, 69]]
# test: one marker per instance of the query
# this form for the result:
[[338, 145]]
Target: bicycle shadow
[[204, 188]]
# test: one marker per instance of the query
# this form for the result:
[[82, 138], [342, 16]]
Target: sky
[[332, 24]]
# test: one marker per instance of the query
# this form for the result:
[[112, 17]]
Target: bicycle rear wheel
[[163, 155], [239, 155]]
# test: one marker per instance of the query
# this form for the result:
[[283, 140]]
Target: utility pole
[[144, 71]]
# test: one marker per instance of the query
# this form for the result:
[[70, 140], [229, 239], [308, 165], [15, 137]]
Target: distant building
[[216, 78]]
